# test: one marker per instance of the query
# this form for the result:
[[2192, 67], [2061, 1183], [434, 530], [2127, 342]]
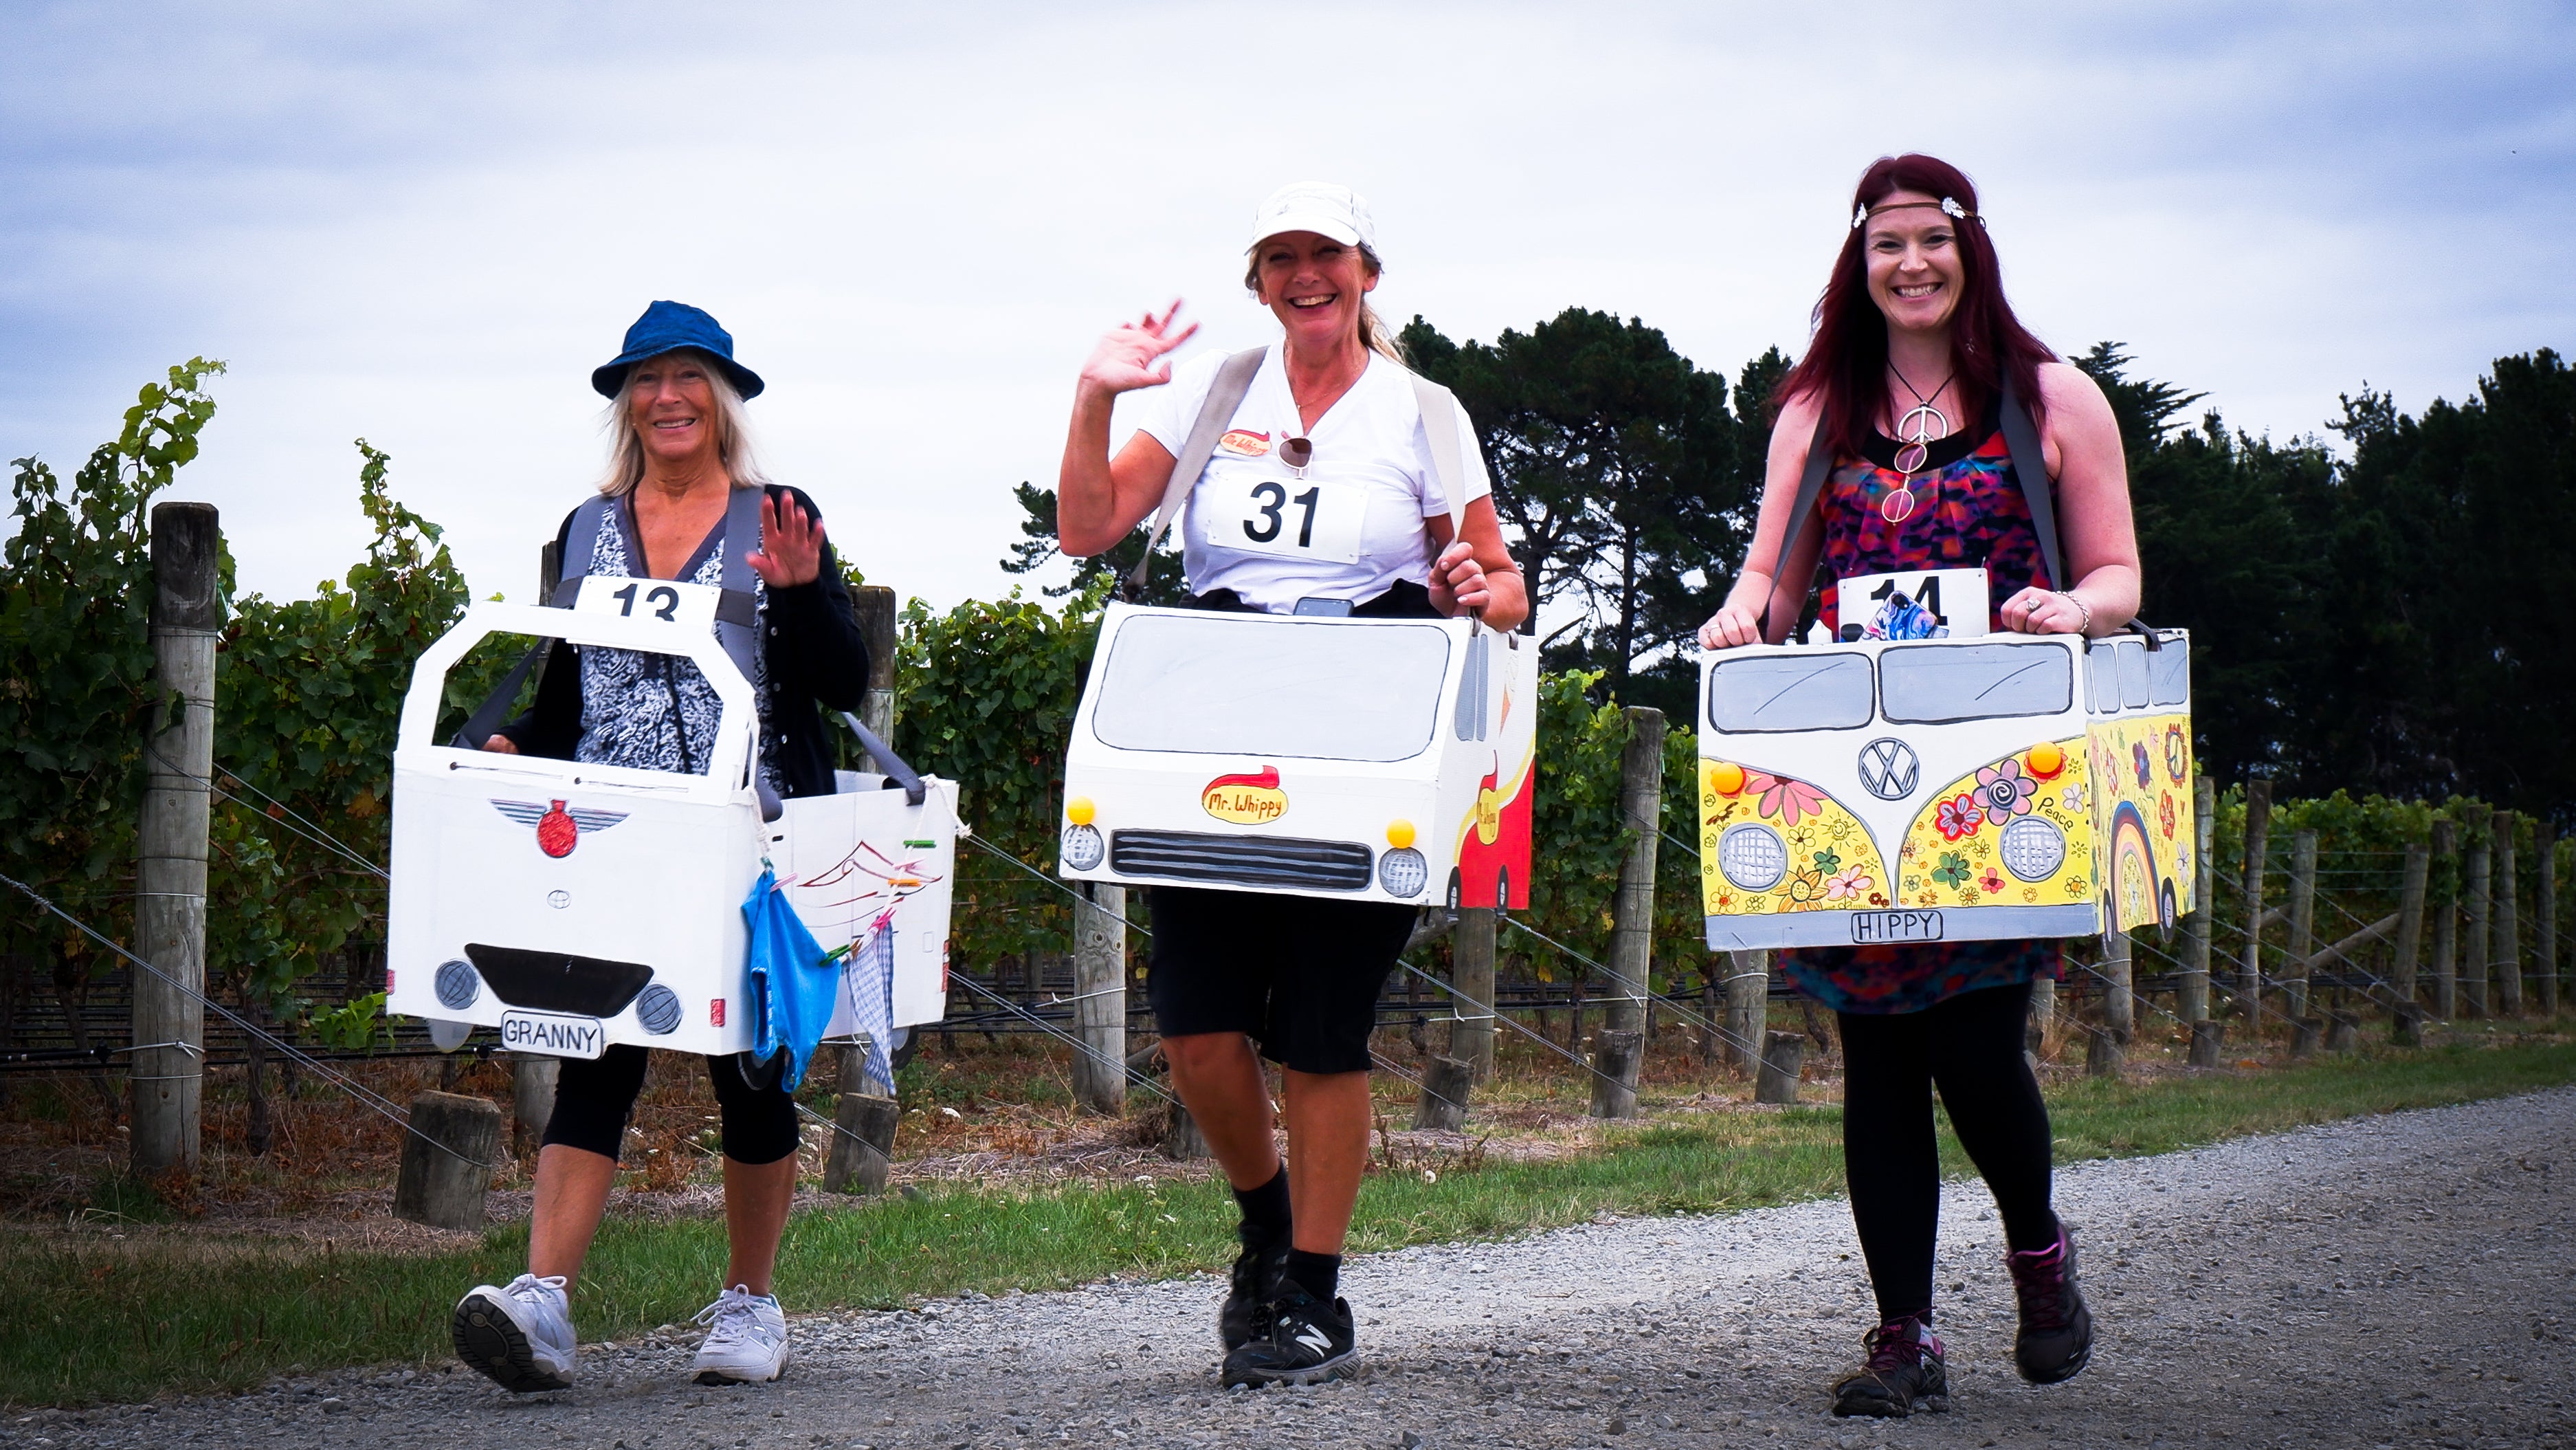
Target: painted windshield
[[1936, 684], [1798, 690], [1245, 684]]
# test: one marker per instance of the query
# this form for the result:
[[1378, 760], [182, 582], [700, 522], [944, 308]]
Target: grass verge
[[121, 1321]]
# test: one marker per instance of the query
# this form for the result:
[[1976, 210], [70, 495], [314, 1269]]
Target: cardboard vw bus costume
[[1307, 755], [1953, 786], [573, 906]]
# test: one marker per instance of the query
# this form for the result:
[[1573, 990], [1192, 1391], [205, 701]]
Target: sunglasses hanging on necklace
[[1915, 431]]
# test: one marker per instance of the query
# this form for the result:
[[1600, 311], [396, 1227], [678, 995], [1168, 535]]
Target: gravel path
[[2386, 1281]]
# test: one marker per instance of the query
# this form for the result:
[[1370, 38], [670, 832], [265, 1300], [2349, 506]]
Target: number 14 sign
[[663, 600]]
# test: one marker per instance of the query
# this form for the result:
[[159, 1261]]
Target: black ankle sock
[[1317, 1274], [1265, 1209], [2029, 1236]]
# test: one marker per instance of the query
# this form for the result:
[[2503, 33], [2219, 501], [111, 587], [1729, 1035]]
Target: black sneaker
[[1904, 1373], [2056, 1338], [1248, 1291], [1302, 1341]]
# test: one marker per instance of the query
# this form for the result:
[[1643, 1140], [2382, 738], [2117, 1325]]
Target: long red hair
[[1846, 361]]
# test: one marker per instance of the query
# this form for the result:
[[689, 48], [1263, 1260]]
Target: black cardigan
[[815, 656]]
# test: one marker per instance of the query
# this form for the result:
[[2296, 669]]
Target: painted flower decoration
[[2072, 797], [2138, 761], [1849, 886], [1957, 817], [1788, 799], [2177, 754], [2005, 791], [1992, 883], [1953, 870], [1829, 860], [1878, 898], [2165, 814], [1806, 887]]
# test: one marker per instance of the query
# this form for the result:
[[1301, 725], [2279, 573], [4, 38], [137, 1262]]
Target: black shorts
[[595, 1096], [1299, 975]]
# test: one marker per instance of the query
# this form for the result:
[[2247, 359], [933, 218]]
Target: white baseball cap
[[1321, 207]]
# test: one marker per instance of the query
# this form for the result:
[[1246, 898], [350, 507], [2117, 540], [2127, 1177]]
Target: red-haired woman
[[1916, 365]]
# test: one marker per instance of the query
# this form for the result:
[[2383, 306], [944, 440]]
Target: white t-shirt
[[1350, 527]]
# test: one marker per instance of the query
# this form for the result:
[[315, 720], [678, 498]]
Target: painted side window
[[1235, 684], [2169, 673], [1799, 690], [2134, 694], [1936, 684], [2102, 678]]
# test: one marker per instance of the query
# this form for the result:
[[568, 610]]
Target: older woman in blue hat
[[674, 504]]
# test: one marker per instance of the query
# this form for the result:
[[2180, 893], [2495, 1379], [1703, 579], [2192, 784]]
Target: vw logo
[[1888, 769]]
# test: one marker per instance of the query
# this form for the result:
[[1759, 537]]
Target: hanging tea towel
[[791, 984], [869, 977]]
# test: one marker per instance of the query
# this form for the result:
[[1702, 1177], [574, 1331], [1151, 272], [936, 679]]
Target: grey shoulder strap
[[1233, 380], [580, 537], [1811, 486], [1440, 425], [2030, 465]]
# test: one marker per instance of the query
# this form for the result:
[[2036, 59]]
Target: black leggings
[[1971, 1046], [594, 1096]]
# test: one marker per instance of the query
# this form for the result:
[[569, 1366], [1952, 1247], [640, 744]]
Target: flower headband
[[1949, 207]]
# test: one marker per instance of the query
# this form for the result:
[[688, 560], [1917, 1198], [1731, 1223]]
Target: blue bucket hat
[[666, 326]]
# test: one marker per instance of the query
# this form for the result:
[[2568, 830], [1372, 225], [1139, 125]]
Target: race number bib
[[1296, 518], [666, 600], [1954, 600]]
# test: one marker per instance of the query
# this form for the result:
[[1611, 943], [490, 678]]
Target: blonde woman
[[1326, 419], [683, 500]]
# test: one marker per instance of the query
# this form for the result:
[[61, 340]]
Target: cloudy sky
[[424, 224]]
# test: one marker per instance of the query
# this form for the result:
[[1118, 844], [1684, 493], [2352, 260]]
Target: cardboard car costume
[[1374, 759], [1993, 787], [573, 906]]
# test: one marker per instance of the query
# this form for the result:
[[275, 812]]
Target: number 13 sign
[[665, 600]]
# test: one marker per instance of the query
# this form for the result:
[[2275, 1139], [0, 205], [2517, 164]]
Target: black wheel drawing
[[1502, 888], [1454, 888]]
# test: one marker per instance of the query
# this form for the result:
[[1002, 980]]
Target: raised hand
[[1133, 354], [791, 545]]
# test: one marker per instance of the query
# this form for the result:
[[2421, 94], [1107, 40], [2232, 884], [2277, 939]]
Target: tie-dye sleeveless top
[[1968, 511]]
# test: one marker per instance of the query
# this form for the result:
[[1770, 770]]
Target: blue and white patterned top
[[631, 700]]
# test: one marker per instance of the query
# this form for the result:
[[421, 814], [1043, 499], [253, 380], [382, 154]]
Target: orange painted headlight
[[2046, 759], [1726, 777]]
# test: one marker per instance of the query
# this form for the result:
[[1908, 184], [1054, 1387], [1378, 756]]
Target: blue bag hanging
[[791, 983]]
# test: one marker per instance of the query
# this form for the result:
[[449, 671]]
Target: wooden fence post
[[2194, 990], [2303, 924], [169, 1016], [2480, 863], [1100, 997], [2042, 1019], [1632, 941], [1748, 1000], [2443, 899], [2103, 1053], [861, 1158], [2258, 839], [1472, 1010], [874, 606], [1782, 1055], [2508, 921], [447, 1160], [2410, 927], [2544, 913], [2119, 1001]]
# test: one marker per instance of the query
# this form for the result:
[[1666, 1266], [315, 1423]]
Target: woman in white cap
[[1330, 408]]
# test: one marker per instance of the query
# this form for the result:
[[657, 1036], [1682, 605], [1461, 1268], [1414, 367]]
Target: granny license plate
[[554, 1034], [1874, 928]]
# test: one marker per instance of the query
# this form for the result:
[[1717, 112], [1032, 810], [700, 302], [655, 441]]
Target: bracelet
[[2069, 596]]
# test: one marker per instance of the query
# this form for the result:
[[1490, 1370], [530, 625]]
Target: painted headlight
[[1753, 856], [1403, 872], [1083, 847], [458, 984], [2033, 848], [658, 1010]]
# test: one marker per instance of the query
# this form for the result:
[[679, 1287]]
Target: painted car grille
[[1241, 860]]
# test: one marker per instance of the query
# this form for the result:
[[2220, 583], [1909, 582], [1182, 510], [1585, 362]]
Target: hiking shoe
[[519, 1337], [1301, 1341], [1248, 1291], [2056, 1337], [1904, 1373], [746, 1339]]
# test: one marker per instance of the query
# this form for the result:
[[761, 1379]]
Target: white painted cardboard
[[561, 877], [1294, 755]]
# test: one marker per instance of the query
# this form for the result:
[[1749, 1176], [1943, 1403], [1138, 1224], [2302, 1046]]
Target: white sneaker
[[746, 1339], [520, 1336]]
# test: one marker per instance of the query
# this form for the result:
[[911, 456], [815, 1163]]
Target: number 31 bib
[[1294, 518]]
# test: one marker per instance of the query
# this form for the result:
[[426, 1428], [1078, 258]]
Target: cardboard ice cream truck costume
[[1305, 754], [1379, 760], [572, 906], [1958, 786]]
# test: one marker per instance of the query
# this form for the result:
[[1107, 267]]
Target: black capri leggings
[[593, 1097], [1971, 1047]]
